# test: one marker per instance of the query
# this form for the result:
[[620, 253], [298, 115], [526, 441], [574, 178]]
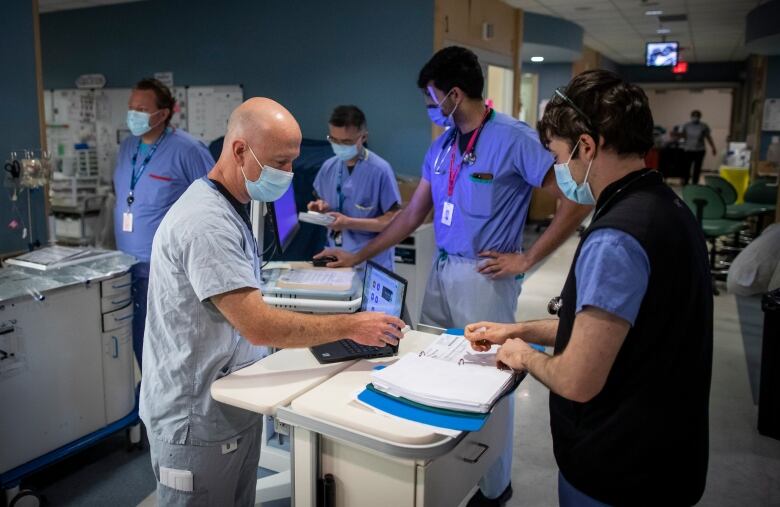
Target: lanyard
[[454, 171], [338, 188], [135, 176]]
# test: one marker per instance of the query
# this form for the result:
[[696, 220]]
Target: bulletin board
[[97, 118]]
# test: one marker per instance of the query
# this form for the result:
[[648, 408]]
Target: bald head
[[262, 127]]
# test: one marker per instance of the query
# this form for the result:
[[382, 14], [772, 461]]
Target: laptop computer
[[383, 291]]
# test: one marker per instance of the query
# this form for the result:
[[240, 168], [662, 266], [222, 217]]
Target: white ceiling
[[619, 29], [62, 5]]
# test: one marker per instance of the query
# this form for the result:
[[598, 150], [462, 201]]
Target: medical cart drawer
[[118, 372], [448, 479], [118, 318], [116, 285], [116, 301]]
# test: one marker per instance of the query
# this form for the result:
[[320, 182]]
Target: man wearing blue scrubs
[[356, 186], [477, 177], [154, 167]]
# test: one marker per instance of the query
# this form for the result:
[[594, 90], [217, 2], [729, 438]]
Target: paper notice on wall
[[771, 115], [209, 109]]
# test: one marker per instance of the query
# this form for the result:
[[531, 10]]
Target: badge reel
[[127, 216]]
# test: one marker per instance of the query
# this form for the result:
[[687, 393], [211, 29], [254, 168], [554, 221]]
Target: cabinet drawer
[[116, 301], [118, 373], [118, 318], [468, 461], [116, 285]]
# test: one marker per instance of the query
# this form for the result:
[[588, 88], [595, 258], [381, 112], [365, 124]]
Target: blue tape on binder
[[438, 418]]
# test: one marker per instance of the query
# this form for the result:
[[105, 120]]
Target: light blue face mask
[[271, 185], [579, 193], [344, 152], [138, 122], [437, 116]]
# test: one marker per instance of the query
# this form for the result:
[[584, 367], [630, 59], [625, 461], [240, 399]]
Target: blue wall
[[19, 128], [772, 92], [697, 72], [551, 76], [309, 55]]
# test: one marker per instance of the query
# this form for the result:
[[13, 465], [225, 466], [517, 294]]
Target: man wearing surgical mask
[[356, 186], [207, 318], [155, 165], [629, 375]]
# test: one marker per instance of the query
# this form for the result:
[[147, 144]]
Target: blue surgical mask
[[138, 122], [579, 193], [271, 185], [344, 152], [437, 116]]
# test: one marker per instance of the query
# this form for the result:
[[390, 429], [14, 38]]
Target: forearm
[[565, 221], [377, 224], [265, 325], [405, 223], [539, 332]]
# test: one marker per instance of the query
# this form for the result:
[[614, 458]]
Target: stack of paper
[[447, 375], [53, 257]]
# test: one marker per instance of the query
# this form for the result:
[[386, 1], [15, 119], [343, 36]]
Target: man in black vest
[[630, 376]]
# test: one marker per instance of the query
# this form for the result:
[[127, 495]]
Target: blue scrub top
[[370, 191], [488, 214], [179, 160]]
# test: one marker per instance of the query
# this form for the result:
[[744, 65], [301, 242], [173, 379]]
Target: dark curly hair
[[600, 103]]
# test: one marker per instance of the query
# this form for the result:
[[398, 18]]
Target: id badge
[[127, 222], [446, 213]]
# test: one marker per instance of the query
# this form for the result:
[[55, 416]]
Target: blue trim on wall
[[309, 55], [552, 31], [19, 129]]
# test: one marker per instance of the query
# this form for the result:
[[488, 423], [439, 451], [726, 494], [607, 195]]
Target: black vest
[[643, 440]]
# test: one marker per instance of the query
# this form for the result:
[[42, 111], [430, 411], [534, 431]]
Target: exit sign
[[680, 68]]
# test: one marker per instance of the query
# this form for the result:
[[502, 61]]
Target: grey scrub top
[[202, 249]]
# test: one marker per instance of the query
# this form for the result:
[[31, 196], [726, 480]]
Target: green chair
[[723, 187], [710, 210]]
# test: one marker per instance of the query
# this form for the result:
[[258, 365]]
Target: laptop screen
[[382, 292]]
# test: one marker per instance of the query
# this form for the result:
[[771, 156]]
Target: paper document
[[325, 277], [447, 374]]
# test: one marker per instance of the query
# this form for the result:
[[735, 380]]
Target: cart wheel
[[134, 437], [26, 498]]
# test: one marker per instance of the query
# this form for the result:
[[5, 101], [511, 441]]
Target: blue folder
[[419, 413]]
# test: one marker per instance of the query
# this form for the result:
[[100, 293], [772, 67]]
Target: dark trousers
[[694, 158], [140, 287]]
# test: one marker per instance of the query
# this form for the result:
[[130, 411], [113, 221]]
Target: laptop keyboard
[[357, 348]]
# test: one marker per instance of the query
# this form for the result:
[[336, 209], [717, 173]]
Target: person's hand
[[340, 223], [344, 259], [500, 265], [512, 355], [319, 205], [375, 329], [483, 335]]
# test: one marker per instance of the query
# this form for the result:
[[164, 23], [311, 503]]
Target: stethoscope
[[470, 157]]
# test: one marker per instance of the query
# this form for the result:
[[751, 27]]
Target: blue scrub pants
[[569, 496], [457, 295], [140, 274]]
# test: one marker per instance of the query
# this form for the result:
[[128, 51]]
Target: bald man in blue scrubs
[[477, 177]]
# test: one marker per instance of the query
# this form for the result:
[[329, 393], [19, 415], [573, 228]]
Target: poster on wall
[[771, 115]]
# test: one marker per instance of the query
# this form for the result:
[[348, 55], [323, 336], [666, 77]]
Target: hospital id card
[[127, 222], [446, 213]]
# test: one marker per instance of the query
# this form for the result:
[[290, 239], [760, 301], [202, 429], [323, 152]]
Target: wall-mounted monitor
[[661, 54]]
